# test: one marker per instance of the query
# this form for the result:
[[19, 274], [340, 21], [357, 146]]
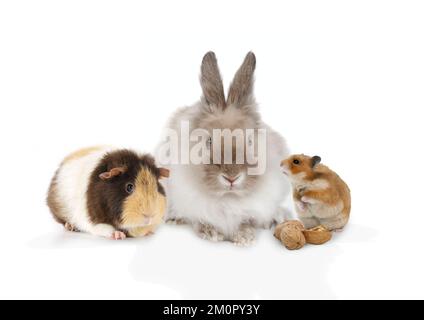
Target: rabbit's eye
[[296, 162]]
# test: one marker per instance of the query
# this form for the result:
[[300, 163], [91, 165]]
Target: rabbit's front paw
[[208, 232], [245, 236], [177, 221]]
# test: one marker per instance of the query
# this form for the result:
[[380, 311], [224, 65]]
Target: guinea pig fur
[[108, 192], [320, 195]]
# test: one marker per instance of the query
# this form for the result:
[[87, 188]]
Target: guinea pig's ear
[[115, 172], [315, 160], [163, 173]]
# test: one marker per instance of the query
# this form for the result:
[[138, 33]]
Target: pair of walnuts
[[294, 236]]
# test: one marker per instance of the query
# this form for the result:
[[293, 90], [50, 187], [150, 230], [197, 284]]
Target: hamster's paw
[[301, 206], [70, 227], [245, 236], [118, 235], [309, 222], [309, 200], [208, 232]]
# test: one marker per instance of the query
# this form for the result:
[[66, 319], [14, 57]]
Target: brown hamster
[[320, 195], [108, 192]]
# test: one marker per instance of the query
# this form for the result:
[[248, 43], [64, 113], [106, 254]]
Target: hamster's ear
[[115, 172], [241, 89], [315, 160], [163, 173], [211, 82]]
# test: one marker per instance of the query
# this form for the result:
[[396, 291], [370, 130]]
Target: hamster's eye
[[296, 162], [129, 188]]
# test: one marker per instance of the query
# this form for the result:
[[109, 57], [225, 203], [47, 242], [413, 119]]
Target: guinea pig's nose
[[147, 220]]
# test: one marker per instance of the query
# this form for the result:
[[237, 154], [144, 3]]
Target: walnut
[[317, 235], [290, 234], [293, 235]]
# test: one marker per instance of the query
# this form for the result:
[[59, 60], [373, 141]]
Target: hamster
[[108, 192], [320, 195]]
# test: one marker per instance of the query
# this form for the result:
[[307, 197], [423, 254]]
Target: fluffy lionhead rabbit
[[221, 200]]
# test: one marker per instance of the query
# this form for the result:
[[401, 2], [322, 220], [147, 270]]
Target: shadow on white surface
[[355, 233], [200, 269], [187, 267], [76, 240]]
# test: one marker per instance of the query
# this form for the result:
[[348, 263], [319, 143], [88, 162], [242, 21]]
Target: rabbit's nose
[[231, 179]]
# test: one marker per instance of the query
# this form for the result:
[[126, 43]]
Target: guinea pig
[[320, 195], [108, 192]]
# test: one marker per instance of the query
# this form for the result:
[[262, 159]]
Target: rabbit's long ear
[[210, 79], [241, 89]]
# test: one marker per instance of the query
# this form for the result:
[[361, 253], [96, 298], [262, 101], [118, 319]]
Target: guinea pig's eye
[[296, 162], [129, 188]]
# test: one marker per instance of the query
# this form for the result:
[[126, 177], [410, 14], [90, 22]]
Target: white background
[[342, 79]]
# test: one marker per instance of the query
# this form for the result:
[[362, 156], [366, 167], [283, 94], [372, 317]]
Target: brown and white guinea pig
[[108, 192], [320, 195]]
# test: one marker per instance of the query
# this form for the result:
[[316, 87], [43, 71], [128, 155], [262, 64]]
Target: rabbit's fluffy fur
[[200, 194]]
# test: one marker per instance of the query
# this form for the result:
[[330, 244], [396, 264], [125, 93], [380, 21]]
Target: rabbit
[[221, 200]]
